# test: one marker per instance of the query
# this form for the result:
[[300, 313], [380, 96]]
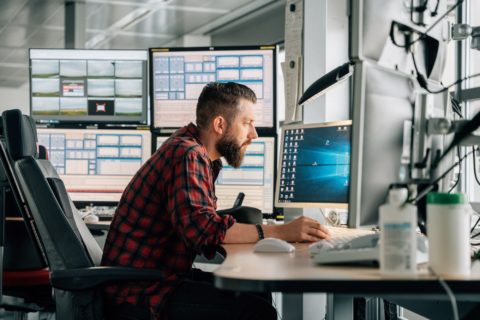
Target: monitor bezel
[[332, 205], [100, 123], [262, 131]]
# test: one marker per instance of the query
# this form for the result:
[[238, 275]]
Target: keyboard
[[357, 248], [339, 237], [104, 213]]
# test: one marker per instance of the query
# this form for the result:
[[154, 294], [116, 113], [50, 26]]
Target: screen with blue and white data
[[314, 165], [96, 165], [255, 177], [179, 77]]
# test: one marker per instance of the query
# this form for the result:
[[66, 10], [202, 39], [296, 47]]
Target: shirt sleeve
[[192, 210]]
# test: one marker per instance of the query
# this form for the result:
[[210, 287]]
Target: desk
[[244, 270]]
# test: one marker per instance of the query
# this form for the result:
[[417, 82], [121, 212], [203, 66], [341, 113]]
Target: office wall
[[325, 48], [263, 28], [15, 98]]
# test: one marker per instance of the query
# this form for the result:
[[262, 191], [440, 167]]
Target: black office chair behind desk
[[74, 274]]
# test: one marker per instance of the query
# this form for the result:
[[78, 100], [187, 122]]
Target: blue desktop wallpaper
[[317, 166]]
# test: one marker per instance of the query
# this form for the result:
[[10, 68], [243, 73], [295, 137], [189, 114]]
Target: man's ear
[[219, 125]]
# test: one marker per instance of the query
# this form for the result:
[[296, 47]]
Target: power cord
[[475, 167], [420, 8], [456, 107], [459, 172], [434, 182], [450, 294], [424, 84]]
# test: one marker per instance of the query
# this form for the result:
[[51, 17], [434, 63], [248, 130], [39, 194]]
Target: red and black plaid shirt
[[165, 217]]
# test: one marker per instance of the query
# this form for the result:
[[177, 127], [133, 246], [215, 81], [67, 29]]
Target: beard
[[231, 150]]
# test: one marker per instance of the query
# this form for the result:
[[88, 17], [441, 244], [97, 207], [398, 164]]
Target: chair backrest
[[74, 217], [56, 228], [21, 250]]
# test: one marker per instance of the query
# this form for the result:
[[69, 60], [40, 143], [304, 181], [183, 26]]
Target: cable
[[475, 167], [424, 34], [434, 182], [450, 294], [419, 8], [459, 171], [460, 80], [475, 225], [435, 11], [456, 107], [424, 84]]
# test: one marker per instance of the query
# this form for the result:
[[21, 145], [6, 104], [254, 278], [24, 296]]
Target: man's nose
[[253, 133]]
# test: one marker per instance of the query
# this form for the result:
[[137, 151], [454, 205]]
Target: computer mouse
[[91, 218], [273, 245]]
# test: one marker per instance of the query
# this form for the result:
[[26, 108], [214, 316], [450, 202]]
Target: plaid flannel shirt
[[166, 216]]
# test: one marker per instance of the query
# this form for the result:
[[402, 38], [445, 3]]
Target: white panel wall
[[325, 48], [15, 98]]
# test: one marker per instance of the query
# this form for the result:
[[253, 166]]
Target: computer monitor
[[178, 75], [314, 165], [255, 177], [383, 113], [96, 165], [88, 86]]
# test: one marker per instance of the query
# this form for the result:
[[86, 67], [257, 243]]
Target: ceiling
[[115, 24]]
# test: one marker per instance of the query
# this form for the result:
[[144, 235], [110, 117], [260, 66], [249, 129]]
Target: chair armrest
[[89, 278]]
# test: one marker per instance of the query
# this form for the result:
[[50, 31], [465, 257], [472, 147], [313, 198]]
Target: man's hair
[[221, 99]]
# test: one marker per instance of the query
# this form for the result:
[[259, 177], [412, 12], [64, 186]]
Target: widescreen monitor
[[96, 165], [314, 165], [178, 75], [88, 86], [383, 111], [385, 138], [255, 177]]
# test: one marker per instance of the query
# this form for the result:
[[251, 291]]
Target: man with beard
[[167, 215]]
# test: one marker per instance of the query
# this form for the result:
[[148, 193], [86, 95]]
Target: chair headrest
[[20, 134]]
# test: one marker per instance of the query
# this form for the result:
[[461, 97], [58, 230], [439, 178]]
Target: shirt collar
[[192, 129]]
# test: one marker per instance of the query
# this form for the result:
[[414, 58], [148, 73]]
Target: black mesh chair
[[72, 259]]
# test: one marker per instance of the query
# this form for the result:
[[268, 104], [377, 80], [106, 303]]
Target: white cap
[[397, 196]]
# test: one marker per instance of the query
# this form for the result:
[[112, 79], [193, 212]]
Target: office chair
[[74, 274], [24, 281]]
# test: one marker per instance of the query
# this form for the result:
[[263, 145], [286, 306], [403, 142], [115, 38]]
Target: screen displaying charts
[[88, 86], [96, 165], [179, 75]]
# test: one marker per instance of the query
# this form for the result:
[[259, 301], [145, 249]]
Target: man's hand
[[302, 229]]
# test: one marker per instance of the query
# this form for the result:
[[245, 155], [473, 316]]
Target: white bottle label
[[397, 247]]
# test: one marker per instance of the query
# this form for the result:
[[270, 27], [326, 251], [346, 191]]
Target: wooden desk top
[[244, 270]]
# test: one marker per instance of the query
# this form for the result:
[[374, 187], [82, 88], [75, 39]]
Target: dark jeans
[[197, 298]]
